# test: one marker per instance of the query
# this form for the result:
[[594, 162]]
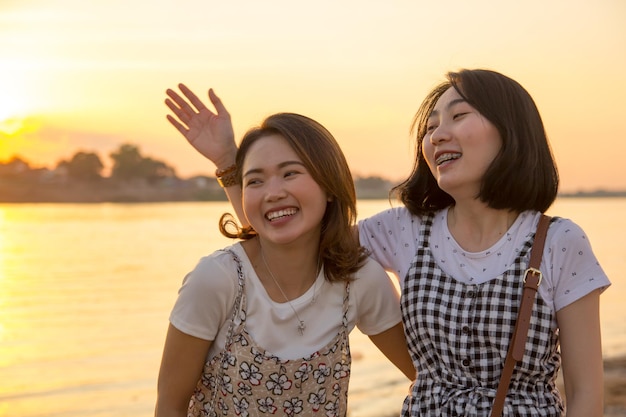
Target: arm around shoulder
[[392, 344], [380, 316]]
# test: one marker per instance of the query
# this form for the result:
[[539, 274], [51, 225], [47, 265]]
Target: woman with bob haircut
[[261, 327], [483, 176], [460, 244]]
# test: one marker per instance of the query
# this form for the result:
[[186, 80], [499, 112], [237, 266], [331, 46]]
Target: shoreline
[[615, 386]]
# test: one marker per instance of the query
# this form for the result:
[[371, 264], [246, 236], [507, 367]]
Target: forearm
[[588, 403], [181, 367], [392, 344], [581, 353], [226, 176], [234, 196]]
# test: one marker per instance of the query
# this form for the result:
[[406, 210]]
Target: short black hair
[[523, 176]]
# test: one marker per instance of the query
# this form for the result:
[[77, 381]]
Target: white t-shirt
[[570, 269], [205, 301]]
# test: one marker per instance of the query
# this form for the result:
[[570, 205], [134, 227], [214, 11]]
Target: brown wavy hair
[[320, 153]]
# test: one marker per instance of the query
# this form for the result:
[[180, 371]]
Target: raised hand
[[209, 133]]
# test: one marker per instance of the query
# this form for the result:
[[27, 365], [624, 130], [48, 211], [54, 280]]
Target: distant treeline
[[595, 193], [133, 178]]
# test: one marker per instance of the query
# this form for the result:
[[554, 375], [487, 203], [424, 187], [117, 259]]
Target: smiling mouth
[[447, 157], [274, 215]]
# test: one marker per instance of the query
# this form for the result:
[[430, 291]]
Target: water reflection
[[85, 291]]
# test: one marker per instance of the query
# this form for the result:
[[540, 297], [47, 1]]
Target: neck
[[476, 228], [285, 273]]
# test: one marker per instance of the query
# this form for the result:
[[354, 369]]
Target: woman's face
[[281, 200], [459, 145]]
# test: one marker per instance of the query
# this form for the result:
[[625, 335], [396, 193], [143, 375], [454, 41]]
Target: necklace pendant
[[301, 327]]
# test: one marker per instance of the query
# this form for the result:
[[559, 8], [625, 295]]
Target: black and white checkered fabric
[[459, 334]]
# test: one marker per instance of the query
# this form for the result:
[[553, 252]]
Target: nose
[[275, 189], [439, 134]]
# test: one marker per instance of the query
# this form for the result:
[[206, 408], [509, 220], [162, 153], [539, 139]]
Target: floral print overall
[[245, 380]]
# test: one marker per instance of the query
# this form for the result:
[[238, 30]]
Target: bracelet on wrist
[[227, 177], [224, 171]]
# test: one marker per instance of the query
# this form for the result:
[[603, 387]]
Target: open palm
[[209, 133]]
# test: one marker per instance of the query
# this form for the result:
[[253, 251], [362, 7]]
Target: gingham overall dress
[[245, 380], [458, 336]]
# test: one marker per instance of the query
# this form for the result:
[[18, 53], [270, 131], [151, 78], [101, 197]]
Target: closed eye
[[291, 173], [252, 181]]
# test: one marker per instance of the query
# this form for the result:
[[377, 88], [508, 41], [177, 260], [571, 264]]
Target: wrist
[[226, 160]]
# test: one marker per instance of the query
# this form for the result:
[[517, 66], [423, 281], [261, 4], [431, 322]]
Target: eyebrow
[[449, 106], [281, 165]]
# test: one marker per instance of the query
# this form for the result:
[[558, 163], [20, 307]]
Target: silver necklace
[[301, 325]]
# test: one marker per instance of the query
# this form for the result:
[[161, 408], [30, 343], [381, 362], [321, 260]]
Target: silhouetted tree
[[153, 170], [128, 164], [14, 167], [372, 187], [84, 166]]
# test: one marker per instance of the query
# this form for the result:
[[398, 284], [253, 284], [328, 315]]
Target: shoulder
[[206, 296], [565, 232], [215, 272], [561, 231], [375, 299], [371, 271], [391, 213], [372, 281], [392, 218]]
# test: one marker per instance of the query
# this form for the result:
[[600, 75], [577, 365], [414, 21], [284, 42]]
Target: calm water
[[85, 292]]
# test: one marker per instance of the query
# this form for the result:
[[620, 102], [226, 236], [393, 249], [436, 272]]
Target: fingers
[[192, 97], [217, 102], [182, 129], [198, 115], [182, 115], [183, 105]]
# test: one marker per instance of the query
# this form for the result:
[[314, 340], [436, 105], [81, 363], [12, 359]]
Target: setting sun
[[12, 113], [14, 135], [11, 125]]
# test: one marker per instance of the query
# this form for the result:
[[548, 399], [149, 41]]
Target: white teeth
[[447, 157], [280, 213]]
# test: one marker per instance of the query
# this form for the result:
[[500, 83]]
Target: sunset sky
[[91, 75]]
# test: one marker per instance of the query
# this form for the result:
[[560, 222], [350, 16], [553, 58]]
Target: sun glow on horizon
[[13, 109], [77, 76], [16, 136], [11, 125]]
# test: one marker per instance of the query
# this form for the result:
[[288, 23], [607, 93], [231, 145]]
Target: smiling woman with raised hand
[[262, 326]]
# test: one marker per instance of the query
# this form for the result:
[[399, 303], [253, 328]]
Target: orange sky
[[89, 76]]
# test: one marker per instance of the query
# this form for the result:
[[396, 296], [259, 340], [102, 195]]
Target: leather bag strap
[[532, 279]]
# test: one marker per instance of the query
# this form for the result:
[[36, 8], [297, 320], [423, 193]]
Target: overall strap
[[235, 311], [532, 279]]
